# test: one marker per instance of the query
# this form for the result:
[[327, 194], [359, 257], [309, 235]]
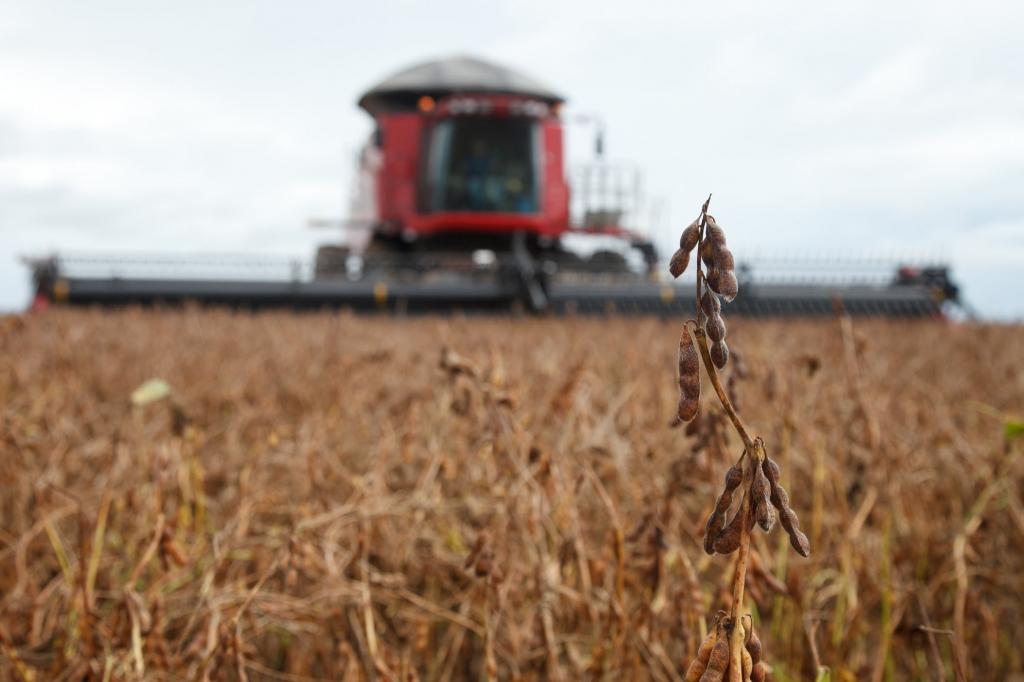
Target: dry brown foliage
[[325, 496]]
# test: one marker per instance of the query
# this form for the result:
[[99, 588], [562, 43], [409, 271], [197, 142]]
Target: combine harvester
[[463, 204]]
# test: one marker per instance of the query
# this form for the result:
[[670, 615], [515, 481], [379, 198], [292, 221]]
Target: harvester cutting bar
[[753, 301], [362, 296], [504, 290]]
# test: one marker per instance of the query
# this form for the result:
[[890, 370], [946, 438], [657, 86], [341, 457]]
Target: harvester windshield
[[482, 165]]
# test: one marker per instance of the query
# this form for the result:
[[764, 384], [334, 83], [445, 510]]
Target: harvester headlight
[[484, 258], [426, 104]]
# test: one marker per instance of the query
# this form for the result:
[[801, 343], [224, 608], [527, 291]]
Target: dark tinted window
[[482, 164]]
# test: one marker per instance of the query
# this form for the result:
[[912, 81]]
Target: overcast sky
[[871, 127]]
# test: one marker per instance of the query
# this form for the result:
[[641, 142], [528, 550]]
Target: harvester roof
[[441, 77]]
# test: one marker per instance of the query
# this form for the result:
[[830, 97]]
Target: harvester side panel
[[555, 193], [400, 138]]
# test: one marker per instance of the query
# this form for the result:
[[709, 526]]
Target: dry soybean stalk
[[755, 476]]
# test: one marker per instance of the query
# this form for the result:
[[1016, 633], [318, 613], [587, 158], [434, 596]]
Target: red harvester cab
[[464, 147], [466, 155]]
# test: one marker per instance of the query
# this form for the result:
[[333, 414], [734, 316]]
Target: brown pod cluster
[[720, 278], [713, 662], [722, 536], [720, 262], [689, 378], [761, 497], [787, 517], [716, 522]]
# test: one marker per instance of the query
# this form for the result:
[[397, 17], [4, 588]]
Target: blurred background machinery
[[463, 202]]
